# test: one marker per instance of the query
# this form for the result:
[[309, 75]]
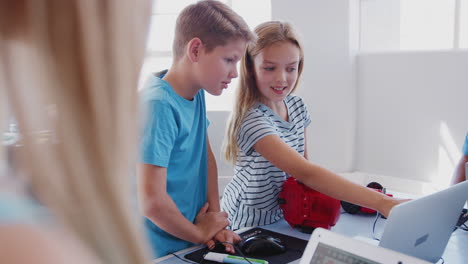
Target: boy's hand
[[210, 223], [228, 238]]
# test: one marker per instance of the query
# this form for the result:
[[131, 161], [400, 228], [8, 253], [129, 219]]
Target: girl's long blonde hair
[[82, 59], [247, 94]]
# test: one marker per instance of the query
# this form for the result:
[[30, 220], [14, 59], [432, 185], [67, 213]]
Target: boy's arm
[[159, 207], [213, 193], [228, 238], [225, 236]]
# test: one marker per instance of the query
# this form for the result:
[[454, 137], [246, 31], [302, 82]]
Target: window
[[427, 24], [463, 24], [161, 34], [414, 24]]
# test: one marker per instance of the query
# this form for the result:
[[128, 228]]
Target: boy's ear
[[194, 47]]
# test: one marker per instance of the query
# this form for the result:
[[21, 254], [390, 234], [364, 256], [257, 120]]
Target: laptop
[[422, 227], [328, 247]]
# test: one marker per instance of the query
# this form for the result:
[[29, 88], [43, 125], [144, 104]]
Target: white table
[[353, 225]]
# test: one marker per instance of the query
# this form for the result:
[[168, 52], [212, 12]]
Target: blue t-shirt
[[174, 136], [465, 146]]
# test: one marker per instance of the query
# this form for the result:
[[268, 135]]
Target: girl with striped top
[[266, 136]]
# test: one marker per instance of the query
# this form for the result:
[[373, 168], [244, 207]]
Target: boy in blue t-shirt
[[177, 173], [460, 171]]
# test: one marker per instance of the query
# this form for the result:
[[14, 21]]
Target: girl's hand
[[389, 203]]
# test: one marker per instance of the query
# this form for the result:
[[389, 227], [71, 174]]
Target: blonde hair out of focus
[[83, 58]]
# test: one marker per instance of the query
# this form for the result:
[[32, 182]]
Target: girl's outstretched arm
[[274, 149]]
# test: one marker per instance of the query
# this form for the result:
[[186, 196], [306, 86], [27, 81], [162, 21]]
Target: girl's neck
[[279, 108]]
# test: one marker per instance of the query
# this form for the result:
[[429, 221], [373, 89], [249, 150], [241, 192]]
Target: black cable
[[463, 227], [443, 261], [238, 250], [184, 260], [377, 216]]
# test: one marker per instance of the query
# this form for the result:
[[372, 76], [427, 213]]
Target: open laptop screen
[[329, 254], [327, 247], [422, 227]]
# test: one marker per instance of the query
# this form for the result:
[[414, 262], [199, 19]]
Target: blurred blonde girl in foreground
[[83, 59]]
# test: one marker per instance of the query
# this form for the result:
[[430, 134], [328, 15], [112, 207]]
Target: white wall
[[329, 32], [399, 114], [412, 109]]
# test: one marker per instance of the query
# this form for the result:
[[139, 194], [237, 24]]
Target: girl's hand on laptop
[[389, 203], [209, 223]]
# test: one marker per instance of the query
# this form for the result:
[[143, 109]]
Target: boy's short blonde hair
[[213, 22]]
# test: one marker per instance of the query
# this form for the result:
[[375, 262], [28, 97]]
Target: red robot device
[[306, 208]]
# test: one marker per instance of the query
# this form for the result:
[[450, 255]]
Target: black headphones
[[354, 209]]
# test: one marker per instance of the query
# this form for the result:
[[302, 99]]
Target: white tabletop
[[352, 226]]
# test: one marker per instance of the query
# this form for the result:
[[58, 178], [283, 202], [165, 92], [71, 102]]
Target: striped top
[[251, 198]]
